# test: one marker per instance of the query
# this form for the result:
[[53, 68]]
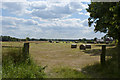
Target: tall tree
[[105, 16], [27, 38], [95, 39]]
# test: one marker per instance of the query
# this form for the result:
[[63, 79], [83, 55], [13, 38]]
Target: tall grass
[[14, 65]]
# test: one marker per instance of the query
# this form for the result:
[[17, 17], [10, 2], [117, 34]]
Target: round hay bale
[[82, 47], [107, 42], [88, 46], [57, 41], [76, 41], [73, 45], [50, 41]]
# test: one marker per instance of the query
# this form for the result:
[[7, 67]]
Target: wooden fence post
[[102, 56], [26, 48]]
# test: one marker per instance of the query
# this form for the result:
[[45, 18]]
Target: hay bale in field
[[88, 46], [50, 41], [66, 42], [82, 47], [76, 41], [107, 42], [57, 41], [73, 45]]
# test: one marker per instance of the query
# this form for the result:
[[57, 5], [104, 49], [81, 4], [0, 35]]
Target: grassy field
[[60, 59]]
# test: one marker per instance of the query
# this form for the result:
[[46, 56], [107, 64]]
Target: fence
[[102, 56], [26, 48]]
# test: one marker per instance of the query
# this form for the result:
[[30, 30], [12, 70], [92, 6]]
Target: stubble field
[[58, 55]]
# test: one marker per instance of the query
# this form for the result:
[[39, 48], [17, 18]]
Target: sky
[[60, 19]]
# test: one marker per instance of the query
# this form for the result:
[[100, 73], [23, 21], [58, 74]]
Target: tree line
[[9, 38]]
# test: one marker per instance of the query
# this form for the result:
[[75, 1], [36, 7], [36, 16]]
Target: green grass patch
[[14, 65], [66, 72]]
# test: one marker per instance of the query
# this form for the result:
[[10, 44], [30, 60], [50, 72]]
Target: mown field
[[60, 60]]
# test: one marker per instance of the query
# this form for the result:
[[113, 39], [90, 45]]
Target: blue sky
[[47, 19]]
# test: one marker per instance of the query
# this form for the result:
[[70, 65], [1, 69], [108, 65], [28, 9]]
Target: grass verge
[[66, 72], [14, 65]]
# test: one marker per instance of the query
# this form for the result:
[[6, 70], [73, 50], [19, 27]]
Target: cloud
[[16, 8], [85, 22], [44, 9], [64, 28], [46, 19], [66, 0], [78, 5], [88, 14], [75, 23], [30, 22], [38, 5], [52, 12], [19, 26], [57, 10], [12, 21], [85, 14], [12, 0]]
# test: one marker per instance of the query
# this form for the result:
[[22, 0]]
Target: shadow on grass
[[66, 72], [97, 52], [93, 52], [109, 70]]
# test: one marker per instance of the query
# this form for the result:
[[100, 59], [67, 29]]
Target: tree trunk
[[103, 55]]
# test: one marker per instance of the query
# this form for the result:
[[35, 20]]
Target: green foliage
[[15, 66], [8, 38], [95, 39], [115, 42], [27, 38], [106, 16]]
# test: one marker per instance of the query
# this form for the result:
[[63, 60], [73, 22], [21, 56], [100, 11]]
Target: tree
[[105, 16], [84, 39], [80, 39], [95, 39], [27, 38]]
